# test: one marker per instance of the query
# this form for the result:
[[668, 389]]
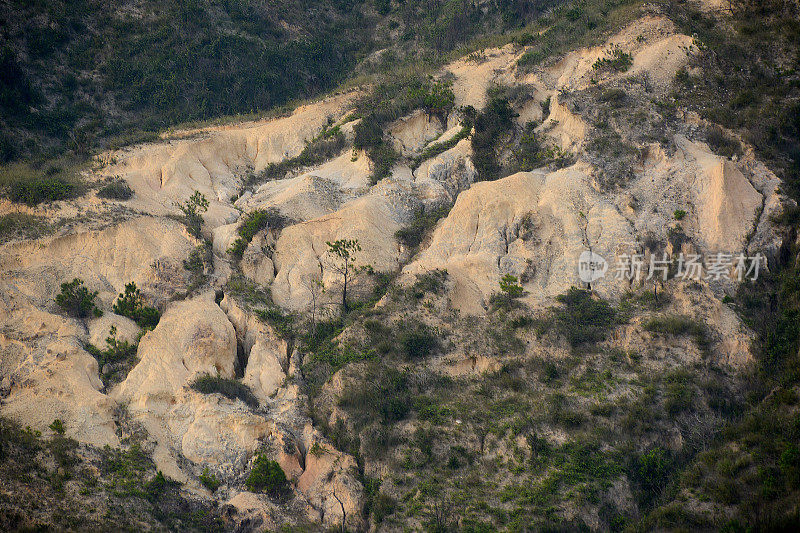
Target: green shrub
[[679, 214], [528, 153], [254, 222], [721, 143], [420, 226], [192, 210], [326, 145], [267, 476], [383, 158], [21, 225], [230, 388], [677, 325], [117, 351], [200, 259], [382, 506], [492, 125], [116, 190], [40, 189], [367, 134], [510, 291], [510, 286], [437, 148], [584, 318], [76, 299], [430, 282], [383, 395], [282, 322], [417, 341], [209, 480], [680, 397], [616, 61], [131, 304], [650, 472], [615, 96], [57, 426]]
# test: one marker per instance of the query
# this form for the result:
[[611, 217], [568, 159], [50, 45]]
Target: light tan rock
[[656, 49], [441, 178], [473, 77], [51, 375], [330, 484], [301, 251], [527, 221], [316, 192], [266, 352], [566, 128], [410, 134], [194, 337], [213, 160], [256, 263], [223, 237], [99, 329], [147, 251], [726, 202]]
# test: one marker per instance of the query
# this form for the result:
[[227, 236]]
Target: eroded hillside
[[435, 394]]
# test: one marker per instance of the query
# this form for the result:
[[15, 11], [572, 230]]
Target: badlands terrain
[[431, 396]]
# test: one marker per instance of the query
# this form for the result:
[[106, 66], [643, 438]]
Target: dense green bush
[[38, 189], [616, 61], [116, 360], [492, 125], [267, 476], [209, 480], [721, 143], [200, 260], [116, 190], [417, 340], [14, 225], [532, 153], [437, 148], [278, 319], [230, 388], [584, 318], [650, 471], [131, 304], [510, 291], [383, 395], [329, 143], [192, 209], [254, 222], [430, 282], [77, 300]]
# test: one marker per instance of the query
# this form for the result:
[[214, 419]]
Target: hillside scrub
[[230, 388], [130, 303], [492, 125], [77, 300], [252, 223], [267, 476], [22, 183]]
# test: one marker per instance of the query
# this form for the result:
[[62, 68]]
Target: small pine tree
[[343, 253], [131, 304], [193, 209], [509, 285], [77, 300], [266, 476]]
